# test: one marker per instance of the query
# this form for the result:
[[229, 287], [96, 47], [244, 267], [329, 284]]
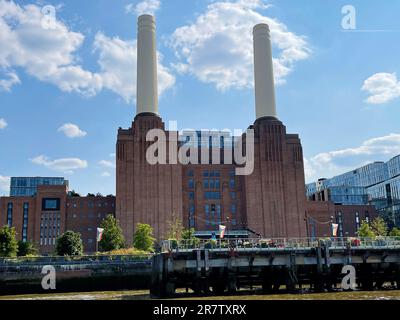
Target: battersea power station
[[253, 184], [270, 201]]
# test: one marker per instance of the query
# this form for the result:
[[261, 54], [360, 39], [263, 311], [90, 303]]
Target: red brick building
[[321, 214], [51, 212], [270, 201]]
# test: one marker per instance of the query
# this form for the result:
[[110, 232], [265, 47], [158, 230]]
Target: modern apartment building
[[376, 184]]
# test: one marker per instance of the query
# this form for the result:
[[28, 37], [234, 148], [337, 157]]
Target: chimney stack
[[147, 86], [263, 72]]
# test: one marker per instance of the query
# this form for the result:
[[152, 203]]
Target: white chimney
[[147, 87], [264, 72]]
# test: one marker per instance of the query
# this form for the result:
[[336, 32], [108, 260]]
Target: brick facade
[[271, 201], [320, 215], [43, 225]]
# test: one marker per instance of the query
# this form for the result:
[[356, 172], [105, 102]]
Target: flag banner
[[222, 231], [335, 228], [100, 232]]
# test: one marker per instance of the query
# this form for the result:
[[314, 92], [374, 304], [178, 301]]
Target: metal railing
[[279, 243], [71, 260]]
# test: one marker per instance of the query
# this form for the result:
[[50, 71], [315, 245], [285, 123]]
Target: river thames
[[144, 295]]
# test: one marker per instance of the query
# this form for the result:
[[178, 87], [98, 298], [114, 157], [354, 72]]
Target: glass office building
[[27, 186], [377, 184]]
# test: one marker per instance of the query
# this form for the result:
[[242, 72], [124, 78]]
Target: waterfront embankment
[[93, 273]]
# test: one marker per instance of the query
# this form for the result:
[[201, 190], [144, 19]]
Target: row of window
[[191, 195], [212, 184], [90, 204], [213, 209], [211, 174], [90, 215], [212, 195], [50, 226], [340, 221], [24, 219]]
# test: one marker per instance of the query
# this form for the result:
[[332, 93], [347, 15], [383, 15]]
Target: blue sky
[[64, 91]]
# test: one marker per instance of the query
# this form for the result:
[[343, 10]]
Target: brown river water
[[144, 295]]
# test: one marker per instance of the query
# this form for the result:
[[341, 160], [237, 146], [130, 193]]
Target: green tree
[[26, 248], [143, 238], [365, 230], [69, 244], [379, 227], [113, 238], [395, 232], [8, 242], [73, 194], [188, 235], [175, 228]]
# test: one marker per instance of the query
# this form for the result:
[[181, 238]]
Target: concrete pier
[[227, 266]]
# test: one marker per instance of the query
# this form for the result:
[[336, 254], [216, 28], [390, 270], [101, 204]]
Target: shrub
[[8, 242], [143, 238], [69, 244], [26, 248], [113, 238]]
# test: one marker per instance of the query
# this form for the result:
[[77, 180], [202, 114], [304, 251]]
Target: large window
[[25, 222], [212, 184], [50, 204], [212, 195], [9, 214], [233, 209]]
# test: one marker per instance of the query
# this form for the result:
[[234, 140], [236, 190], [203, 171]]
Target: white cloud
[[107, 164], [4, 184], [218, 47], [144, 7], [11, 80], [382, 87], [309, 171], [72, 131], [67, 165], [47, 54], [106, 174], [329, 164], [3, 123], [51, 55], [118, 63]]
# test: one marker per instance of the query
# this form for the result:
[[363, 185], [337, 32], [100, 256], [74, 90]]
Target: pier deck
[[226, 265]]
